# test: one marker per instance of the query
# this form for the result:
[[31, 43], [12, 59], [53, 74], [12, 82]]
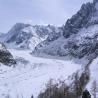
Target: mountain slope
[[32, 73], [26, 36], [79, 38]]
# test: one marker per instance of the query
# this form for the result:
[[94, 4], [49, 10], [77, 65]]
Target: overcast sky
[[54, 12]]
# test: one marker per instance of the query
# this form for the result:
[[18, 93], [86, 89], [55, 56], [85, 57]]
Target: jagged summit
[[86, 16]]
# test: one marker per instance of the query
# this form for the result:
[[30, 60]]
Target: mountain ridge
[[77, 40], [25, 35]]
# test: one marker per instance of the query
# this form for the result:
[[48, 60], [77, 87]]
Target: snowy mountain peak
[[80, 36], [79, 20], [26, 36]]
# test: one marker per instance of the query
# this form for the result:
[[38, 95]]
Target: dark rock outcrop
[[5, 56]]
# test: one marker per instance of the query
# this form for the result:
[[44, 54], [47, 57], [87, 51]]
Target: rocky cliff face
[[79, 38], [5, 56], [79, 20], [82, 32]]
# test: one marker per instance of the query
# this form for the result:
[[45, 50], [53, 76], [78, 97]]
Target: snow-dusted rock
[[80, 35], [25, 36], [5, 56]]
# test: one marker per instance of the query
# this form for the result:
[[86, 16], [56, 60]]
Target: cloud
[[37, 11]]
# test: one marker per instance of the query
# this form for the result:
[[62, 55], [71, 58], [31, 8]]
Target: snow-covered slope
[[77, 39], [82, 44], [93, 83], [32, 73]]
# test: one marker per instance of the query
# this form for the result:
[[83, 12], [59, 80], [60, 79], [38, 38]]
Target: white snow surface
[[94, 75], [25, 79]]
